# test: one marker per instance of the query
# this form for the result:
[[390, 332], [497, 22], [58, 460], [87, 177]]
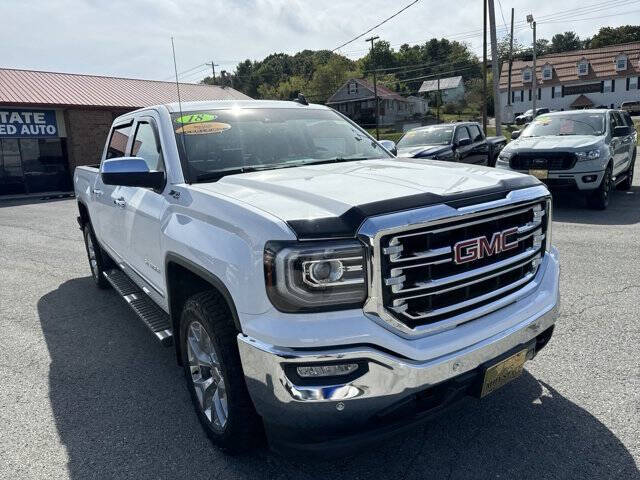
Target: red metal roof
[[601, 60], [49, 88]]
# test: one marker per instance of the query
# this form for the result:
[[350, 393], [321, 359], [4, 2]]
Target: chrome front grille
[[423, 284]]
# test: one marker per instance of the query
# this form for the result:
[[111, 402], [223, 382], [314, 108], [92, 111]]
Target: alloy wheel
[[206, 375]]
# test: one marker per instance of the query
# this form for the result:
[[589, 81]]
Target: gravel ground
[[86, 392]]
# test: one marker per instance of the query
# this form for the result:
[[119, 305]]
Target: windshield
[[246, 139], [568, 124], [427, 136]]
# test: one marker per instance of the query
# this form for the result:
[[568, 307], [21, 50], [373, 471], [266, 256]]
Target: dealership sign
[[28, 123]]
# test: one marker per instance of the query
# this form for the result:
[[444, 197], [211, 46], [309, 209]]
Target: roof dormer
[[527, 75], [583, 66], [547, 71], [621, 62]]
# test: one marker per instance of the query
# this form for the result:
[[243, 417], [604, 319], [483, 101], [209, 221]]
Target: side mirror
[[130, 172], [463, 142], [515, 134], [389, 145], [621, 131]]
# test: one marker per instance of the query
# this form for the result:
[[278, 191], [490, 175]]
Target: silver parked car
[[586, 150]]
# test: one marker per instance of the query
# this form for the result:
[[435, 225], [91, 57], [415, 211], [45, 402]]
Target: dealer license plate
[[503, 372], [541, 174]]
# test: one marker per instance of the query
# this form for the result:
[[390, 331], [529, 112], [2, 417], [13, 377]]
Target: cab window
[[118, 141], [474, 130], [146, 146]]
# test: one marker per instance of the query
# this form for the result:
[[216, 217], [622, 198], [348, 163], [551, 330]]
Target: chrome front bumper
[[388, 380]]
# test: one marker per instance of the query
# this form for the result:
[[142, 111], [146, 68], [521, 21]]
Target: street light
[[534, 85]]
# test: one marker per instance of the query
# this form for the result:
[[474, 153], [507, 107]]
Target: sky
[[132, 38]]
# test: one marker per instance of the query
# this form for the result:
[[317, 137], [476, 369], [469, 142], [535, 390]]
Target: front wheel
[[214, 373], [599, 198], [95, 256]]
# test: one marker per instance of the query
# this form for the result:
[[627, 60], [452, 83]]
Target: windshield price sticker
[[196, 118], [203, 128]]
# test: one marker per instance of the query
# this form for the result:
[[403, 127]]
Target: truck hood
[[423, 150], [569, 142], [333, 199]]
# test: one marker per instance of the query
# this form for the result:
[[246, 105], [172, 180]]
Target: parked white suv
[[585, 150], [311, 282]]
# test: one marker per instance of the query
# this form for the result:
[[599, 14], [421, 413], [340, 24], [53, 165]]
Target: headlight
[[505, 156], [315, 276], [588, 155]]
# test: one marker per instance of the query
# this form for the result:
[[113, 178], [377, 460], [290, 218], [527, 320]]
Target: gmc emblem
[[480, 247]]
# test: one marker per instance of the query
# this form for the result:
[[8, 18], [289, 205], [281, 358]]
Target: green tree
[[615, 35], [565, 42]]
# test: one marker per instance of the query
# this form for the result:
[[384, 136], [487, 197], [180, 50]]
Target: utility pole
[[510, 61], [213, 69], [534, 84], [438, 102], [375, 85], [484, 68], [497, 107]]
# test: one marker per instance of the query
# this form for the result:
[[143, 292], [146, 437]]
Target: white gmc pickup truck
[[314, 286]]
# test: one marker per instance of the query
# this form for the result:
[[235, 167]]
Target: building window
[[547, 72], [529, 94], [522, 95], [621, 62], [583, 67], [526, 75], [353, 88], [539, 94], [513, 97], [553, 92], [628, 83], [613, 85], [33, 165]]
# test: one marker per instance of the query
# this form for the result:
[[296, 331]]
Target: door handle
[[120, 202], [97, 192]]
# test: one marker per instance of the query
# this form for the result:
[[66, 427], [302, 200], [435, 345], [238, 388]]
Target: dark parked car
[[527, 116], [631, 107], [456, 142]]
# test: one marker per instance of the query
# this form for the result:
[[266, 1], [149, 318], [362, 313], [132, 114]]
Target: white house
[[599, 77], [451, 88]]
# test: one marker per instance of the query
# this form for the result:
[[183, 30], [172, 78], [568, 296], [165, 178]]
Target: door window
[[476, 135], [461, 134], [145, 145], [118, 142]]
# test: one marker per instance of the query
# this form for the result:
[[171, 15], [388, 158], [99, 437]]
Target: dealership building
[[52, 122], [598, 77]]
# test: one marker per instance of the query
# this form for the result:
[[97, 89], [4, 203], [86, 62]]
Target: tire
[[215, 380], [98, 262], [599, 198], [627, 182]]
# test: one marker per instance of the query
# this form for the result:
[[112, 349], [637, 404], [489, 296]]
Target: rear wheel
[[628, 181], [599, 198], [214, 373], [97, 261]]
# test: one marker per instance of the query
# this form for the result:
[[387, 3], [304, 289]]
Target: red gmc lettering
[[480, 247]]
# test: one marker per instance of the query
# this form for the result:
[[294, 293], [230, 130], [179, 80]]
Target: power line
[[376, 26]]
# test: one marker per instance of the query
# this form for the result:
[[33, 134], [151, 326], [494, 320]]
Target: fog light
[[310, 371], [589, 178]]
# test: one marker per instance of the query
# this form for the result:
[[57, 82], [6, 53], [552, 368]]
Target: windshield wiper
[[335, 160], [218, 174]]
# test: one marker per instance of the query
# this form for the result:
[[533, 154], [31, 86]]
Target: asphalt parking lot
[[86, 392]]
